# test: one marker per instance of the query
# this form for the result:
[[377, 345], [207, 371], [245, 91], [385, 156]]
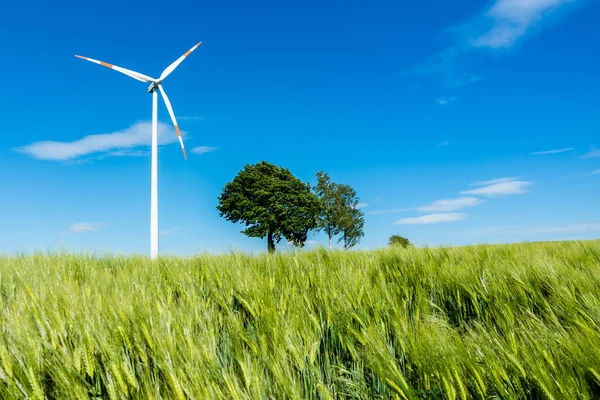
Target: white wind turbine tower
[[155, 84]]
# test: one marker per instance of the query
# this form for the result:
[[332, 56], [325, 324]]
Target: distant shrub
[[400, 241]]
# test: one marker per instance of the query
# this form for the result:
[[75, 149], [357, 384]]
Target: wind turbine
[[155, 85]]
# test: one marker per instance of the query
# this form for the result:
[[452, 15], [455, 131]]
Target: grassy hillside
[[511, 322]]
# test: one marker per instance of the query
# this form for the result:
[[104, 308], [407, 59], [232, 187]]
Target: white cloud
[[446, 64], [553, 151], [85, 227], [451, 204], [596, 172], [311, 243], [498, 187], [493, 181], [445, 100], [192, 118], [202, 118], [392, 211], [512, 19], [129, 153], [593, 153], [497, 27], [540, 229], [109, 144], [432, 219], [362, 205], [203, 149]]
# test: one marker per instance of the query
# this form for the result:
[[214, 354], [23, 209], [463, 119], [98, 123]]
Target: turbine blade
[[128, 72], [168, 104], [172, 67]]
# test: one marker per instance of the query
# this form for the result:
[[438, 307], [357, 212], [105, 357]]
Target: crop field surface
[[483, 322]]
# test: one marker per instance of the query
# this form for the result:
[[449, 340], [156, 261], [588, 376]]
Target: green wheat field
[[482, 322]]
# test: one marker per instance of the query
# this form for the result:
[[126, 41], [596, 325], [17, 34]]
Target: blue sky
[[457, 123]]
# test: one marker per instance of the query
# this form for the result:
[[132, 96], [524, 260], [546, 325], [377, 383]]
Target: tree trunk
[[271, 243], [329, 242]]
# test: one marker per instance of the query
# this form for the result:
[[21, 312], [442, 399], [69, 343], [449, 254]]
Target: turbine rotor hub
[[153, 86]]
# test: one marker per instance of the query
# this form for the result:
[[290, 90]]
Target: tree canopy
[[400, 241], [271, 202], [350, 219], [339, 212], [328, 215]]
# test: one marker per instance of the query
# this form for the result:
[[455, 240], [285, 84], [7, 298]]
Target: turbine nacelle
[[153, 86]]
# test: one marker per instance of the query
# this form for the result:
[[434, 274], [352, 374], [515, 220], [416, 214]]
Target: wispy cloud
[[596, 172], [510, 20], [116, 153], [493, 181], [498, 27], [498, 187], [593, 153], [85, 227], [432, 219], [203, 149], [362, 205], [392, 211], [202, 118], [445, 100], [192, 118], [442, 144], [540, 229], [129, 153], [448, 64], [451, 204], [118, 143], [553, 151]]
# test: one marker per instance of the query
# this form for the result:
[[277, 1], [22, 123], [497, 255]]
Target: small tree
[[350, 219], [352, 232], [339, 211], [397, 240], [327, 218], [271, 202]]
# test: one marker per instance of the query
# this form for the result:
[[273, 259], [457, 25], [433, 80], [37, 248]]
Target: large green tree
[[271, 202]]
